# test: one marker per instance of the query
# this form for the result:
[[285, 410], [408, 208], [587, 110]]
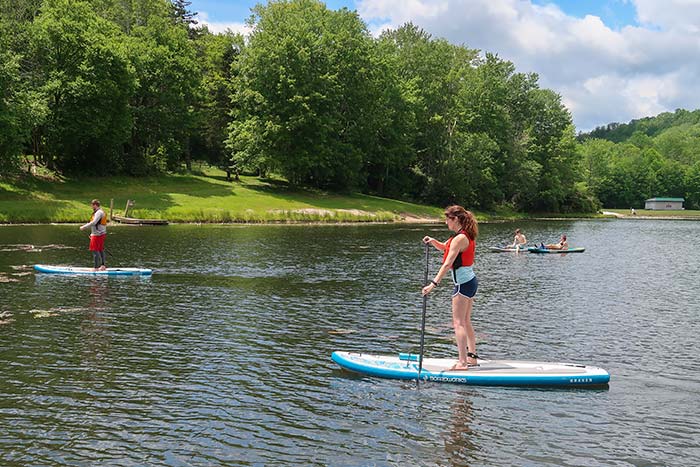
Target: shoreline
[[401, 220], [412, 220]]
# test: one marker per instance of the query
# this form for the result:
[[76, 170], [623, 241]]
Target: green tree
[[300, 94], [85, 79], [553, 146], [692, 184], [11, 137], [169, 79], [496, 103], [216, 55], [595, 157], [680, 143], [390, 155], [431, 75], [181, 14]]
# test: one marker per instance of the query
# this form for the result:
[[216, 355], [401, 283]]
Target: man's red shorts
[[97, 242]]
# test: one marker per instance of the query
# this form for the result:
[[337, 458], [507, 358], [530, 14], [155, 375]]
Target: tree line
[[136, 87], [625, 164]]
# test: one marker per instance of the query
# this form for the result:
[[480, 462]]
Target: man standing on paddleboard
[[98, 224], [458, 259]]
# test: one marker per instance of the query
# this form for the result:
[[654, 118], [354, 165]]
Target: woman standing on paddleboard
[[458, 258]]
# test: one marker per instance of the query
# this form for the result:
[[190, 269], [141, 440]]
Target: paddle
[[425, 306]]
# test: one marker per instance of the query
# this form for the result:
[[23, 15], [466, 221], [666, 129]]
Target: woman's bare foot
[[459, 366], [102, 268]]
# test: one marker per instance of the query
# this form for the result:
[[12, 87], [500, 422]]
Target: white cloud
[[220, 27], [681, 15], [603, 74]]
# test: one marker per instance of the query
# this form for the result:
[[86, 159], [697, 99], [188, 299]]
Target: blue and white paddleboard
[[90, 271], [487, 373], [533, 249]]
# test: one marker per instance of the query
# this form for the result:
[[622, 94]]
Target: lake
[[222, 357]]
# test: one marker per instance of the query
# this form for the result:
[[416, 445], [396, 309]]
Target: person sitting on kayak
[[562, 245], [98, 226], [458, 258], [519, 241]]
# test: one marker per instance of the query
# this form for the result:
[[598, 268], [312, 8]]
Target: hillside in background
[[649, 126], [625, 164]]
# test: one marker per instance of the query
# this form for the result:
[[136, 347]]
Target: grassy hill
[[194, 198]]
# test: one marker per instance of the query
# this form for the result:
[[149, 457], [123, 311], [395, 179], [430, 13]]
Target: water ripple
[[223, 356]]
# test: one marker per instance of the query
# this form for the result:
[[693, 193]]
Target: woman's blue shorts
[[468, 289]]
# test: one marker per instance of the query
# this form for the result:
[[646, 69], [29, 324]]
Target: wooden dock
[[132, 220]]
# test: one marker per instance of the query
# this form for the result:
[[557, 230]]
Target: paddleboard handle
[[408, 357]]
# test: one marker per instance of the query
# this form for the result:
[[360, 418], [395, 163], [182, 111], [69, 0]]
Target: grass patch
[[207, 197]]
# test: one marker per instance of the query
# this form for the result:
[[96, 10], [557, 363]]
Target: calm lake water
[[222, 357]]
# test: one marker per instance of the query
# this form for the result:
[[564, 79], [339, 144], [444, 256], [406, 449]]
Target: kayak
[[534, 249], [498, 249], [90, 271], [487, 373]]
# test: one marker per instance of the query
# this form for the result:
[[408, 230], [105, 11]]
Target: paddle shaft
[[425, 306]]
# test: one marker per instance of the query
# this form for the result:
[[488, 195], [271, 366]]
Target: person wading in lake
[[98, 224], [458, 258]]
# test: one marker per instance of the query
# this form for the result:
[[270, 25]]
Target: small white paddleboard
[[498, 249], [487, 373], [90, 271]]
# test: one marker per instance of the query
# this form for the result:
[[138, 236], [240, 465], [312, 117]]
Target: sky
[[610, 60]]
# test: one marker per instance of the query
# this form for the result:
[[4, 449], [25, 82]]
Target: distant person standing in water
[[458, 257], [98, 226], [519, 241]]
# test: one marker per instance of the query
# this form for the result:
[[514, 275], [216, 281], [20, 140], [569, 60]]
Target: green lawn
[[194, 198], [649, 213]]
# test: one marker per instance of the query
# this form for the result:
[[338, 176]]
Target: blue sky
[[614, 13], [610, 60]]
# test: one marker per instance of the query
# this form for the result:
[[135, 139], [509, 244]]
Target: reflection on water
[[460, 440], [222, 357]]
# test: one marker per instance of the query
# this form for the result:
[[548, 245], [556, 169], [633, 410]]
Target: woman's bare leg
[[461, 309], [471, 337]]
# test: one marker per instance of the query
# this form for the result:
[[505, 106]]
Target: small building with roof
[[660, 204]]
